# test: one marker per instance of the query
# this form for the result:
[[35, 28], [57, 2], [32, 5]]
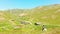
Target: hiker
[[44, 28], [37, 23]]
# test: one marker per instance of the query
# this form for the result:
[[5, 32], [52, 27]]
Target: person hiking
[[44, 28]]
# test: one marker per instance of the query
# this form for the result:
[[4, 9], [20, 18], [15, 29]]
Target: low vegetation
[[22, 21]]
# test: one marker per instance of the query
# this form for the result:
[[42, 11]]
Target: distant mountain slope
[[48, 14], [11, 20]]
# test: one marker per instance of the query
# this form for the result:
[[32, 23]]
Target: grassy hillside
[[10, 20]]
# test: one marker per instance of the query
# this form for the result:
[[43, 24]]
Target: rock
[[25, 22]]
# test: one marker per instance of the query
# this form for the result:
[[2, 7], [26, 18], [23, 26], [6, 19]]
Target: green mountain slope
[[10, 20]]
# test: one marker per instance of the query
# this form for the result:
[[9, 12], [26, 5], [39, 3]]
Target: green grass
[[33, 15]]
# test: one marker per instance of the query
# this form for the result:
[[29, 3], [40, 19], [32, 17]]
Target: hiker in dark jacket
[[44, 28], [37, 23]]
